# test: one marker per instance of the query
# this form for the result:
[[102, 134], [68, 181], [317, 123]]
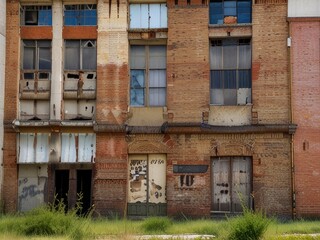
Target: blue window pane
[[230, 4], [137, 78], [216, 8], [137, 97], [88, 17], [216, 79], [244, 18], [230, 11], [71, 18], [244, 78], [45, 17], [230, 79]]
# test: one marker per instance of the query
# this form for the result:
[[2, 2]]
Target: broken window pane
[[137, 87], [36, 15]]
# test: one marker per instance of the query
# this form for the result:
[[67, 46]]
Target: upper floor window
[[36, 15], [240, 9], [83, 15], [80, 55], [230, 65], [148, 75], [36, 55], [148, 15]]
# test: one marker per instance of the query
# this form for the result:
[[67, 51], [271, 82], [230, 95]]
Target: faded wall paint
[[2, 80], [32, 186], [57, 61], [112, 62], [230, 115], [303, 8], [141, 116]]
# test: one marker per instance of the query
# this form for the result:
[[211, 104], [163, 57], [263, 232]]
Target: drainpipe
[[292, 135]]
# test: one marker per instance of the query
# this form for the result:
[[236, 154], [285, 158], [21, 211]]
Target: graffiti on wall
[[147, 180]]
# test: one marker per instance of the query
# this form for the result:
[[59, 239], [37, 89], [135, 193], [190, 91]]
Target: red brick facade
[[305, 67], [188, 134]]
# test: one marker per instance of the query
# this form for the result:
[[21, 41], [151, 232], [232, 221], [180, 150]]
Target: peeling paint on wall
[[32, 186]]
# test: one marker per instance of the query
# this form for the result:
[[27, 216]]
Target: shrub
[[249, 226], [156, 224]]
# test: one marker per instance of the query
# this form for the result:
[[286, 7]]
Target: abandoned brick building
[[166, 107]]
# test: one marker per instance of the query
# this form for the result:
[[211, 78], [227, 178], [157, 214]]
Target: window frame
[[147, 79], [37, 10], [147, 18], [36, 55], [81, 48], [214, 12], [79, 11], [242, 74]]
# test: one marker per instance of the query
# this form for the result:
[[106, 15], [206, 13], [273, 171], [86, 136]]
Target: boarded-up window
[[33, 148], [78, 147], [230, 65], [148, 15], [148, 75], [231, 183]]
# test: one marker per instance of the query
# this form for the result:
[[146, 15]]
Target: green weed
[[156, 224], [249, 226]]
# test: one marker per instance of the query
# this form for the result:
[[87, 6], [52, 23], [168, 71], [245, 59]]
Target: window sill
[[230, 25]]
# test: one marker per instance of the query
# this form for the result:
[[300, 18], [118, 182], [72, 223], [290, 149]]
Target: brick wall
[[10, 171], [305, 58], [187, 61], [270, 79], [110, 174], [112, 69]]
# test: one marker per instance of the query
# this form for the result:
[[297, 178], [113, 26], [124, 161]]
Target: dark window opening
[[36, 15], [84, 189], [62, 187]]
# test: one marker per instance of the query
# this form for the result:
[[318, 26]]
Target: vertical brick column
[[188, 61], [11, 103]]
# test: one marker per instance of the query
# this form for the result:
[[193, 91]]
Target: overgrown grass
[[55, 224], [50, 220], [249, 226]]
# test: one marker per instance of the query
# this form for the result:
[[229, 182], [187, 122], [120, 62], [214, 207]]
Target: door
[[84, 189], [62, 187], [231, 183], [147, 185]]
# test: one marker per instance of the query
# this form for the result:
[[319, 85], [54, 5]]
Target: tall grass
[[50, 220], [249, 226]]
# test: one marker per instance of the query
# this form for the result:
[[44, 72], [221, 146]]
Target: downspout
[[292, 135]]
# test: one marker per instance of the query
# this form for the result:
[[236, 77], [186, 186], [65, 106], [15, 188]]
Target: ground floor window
[[231, 183], [147, 185]]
